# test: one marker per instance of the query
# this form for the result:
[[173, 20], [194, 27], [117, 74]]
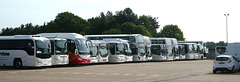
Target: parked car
[[225, 63]]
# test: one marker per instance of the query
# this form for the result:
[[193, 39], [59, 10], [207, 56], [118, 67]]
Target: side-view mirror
[[149, 52], [76, 52], [91, 53]]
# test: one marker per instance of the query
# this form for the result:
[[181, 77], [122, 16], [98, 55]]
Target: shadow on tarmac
[[224, 73], [10, 68]]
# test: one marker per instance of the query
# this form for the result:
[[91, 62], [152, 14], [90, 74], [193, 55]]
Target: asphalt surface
[[171, 71]]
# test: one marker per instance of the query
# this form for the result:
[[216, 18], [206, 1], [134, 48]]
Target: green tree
[[101, 23], [171, 31], [131, 28], [127, 28], [210, 45], [221, 43], [68, 22], [125, 20], [142, 30], [127, 15], [112, 31], [6, 31], [27, 29], [150, 23]]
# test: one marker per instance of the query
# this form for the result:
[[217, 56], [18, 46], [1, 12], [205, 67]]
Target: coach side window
[[30, 48], [26, 45], [71, 46]]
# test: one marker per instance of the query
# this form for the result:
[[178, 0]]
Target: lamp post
[[226, 27]]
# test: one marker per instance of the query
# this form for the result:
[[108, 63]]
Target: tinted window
[[26, 45], [103, 51], [52, 46], [119, 49], [131, 39], [61, 47], [43, 48], [156, 49], [112, 48], [195, 48], [200, 49], [222, 58], [93, 51], [71, 46], [186, 49], [158, 41], [169, 52], [174, 41], [176, 50], [190, 48], [133, 49], [182, 49], [82, 46]]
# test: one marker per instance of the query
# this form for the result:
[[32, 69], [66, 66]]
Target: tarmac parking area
[[172, 71]]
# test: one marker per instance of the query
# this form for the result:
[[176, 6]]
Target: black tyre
[[214, 71], [17, 64]]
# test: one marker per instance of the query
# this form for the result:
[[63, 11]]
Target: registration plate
[[221, 63]]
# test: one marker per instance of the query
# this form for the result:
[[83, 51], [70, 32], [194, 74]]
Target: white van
[[231, 49]]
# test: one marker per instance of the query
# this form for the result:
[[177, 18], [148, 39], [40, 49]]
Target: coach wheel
[[202, 57], [214, 71], [18, 64]]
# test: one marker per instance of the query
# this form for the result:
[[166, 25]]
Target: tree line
[[122, 22], [212, 45]]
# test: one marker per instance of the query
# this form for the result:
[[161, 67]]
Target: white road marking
[[154, 75], [87, 73], [76, 73], [100, 73], [114, 74], [127, 74]]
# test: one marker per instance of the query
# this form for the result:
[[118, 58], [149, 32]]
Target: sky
[[200, 20]]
